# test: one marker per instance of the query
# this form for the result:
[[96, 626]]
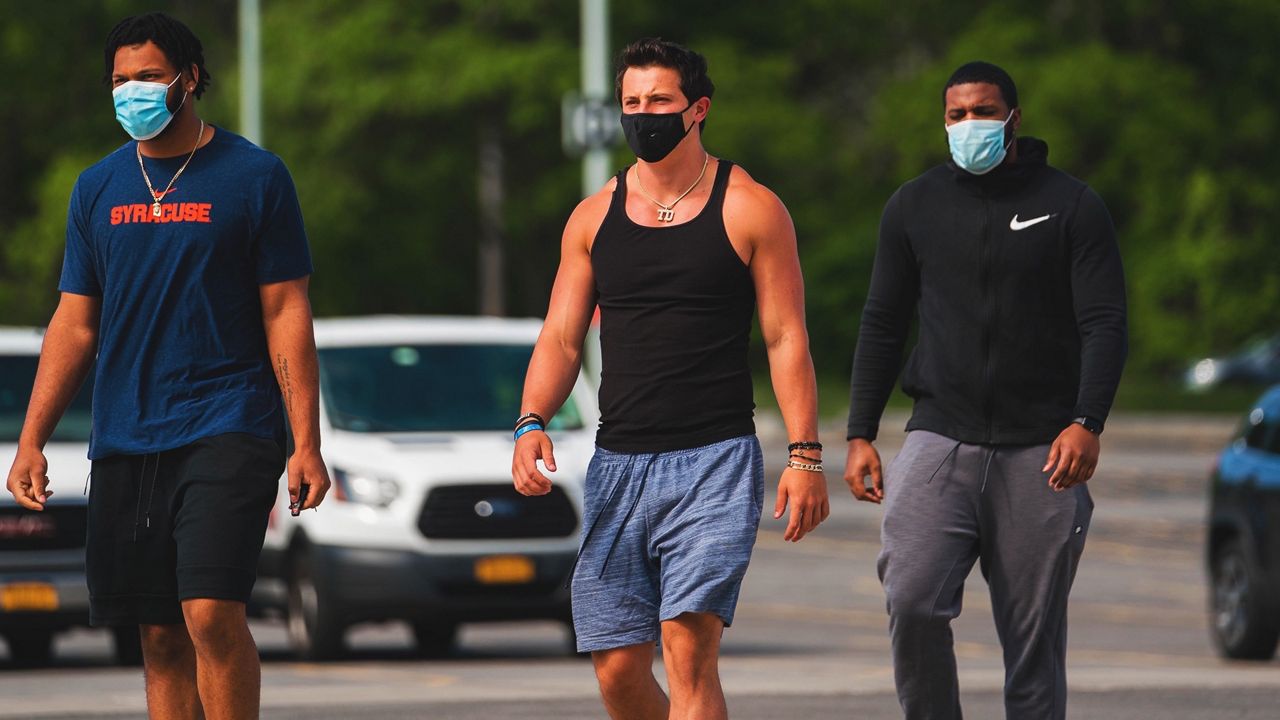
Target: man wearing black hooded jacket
[[1014, 271]]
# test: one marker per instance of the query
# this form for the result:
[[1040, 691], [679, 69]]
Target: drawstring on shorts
[[617, 485], [138, 516]]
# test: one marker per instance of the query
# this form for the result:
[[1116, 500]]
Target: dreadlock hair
[[649, 52], [984, 72], [179, 44]]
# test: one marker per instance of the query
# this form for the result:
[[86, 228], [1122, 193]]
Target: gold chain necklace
[[157, 197], [667, 213]]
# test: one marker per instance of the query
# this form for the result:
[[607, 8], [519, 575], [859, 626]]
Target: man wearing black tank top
[[677, 251]]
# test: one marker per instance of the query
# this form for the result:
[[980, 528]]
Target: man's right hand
[[531, 447], [864, 460], [28, 479]]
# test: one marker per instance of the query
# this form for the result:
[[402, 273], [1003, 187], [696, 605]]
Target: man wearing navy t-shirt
[[186, 273]]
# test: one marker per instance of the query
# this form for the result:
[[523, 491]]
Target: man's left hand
[[806, 493], [1073, 457], [307, 468]]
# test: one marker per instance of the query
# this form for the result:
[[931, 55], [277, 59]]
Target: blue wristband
[[526, 428]]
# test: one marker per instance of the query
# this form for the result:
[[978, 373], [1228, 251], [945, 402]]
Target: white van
[[422, 523], [42, 580]]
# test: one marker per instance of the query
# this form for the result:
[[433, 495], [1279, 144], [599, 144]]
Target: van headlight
[[364, 488]]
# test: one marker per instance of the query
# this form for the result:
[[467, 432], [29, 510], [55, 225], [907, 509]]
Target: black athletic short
[[178, 524]]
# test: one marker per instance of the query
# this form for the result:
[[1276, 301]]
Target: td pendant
[[666, 214], [155, 208]]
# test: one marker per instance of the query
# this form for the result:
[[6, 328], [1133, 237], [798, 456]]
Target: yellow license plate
[[19, 597], [505, 570]]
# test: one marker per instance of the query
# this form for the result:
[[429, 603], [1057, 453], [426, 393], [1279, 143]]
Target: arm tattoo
[[286, 382]]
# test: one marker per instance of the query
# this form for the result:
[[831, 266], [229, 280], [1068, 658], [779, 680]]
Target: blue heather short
[[666, 534]]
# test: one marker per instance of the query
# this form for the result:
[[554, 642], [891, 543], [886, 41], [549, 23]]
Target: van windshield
[[428, 388], [17, 375]]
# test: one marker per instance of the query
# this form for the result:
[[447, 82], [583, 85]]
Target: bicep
[[79, 263], [573, 294], [281, 299], [1096, 266], [281, 251], [78, 313], [775, 271], [1092, 234]]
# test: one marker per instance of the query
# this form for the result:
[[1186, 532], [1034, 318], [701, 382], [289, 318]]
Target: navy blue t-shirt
[[182, 353]]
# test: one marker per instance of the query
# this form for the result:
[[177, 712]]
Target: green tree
[[382, 109]]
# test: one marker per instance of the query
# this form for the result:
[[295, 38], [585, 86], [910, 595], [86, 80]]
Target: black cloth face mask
[[652, 136]]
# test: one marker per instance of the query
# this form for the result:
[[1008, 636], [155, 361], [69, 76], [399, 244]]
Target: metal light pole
[[250, 71], [595, 84], [595, 161]]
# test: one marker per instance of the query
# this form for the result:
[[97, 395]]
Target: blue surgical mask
[[142, 107], [978, 146]]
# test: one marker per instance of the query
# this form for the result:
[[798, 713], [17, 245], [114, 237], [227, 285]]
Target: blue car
[[1244, 536], [1257, 364]]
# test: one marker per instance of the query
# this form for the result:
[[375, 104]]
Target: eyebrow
[[661, 95], [975, 108], [143, 71]]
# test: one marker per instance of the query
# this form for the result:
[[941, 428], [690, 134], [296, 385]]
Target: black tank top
[[675, 318]]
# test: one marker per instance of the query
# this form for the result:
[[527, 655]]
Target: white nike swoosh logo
[[1014, 224]]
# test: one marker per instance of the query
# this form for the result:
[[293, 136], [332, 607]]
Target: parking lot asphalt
[[810, 640]]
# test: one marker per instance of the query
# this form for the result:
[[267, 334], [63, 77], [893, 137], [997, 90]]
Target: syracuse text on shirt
[[169, 213]]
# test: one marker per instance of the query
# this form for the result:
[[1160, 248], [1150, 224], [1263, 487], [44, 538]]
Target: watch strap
[[1089, 424]]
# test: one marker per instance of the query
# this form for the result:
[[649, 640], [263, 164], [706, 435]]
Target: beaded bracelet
[[805, 445], [808, 467], [528, 427]]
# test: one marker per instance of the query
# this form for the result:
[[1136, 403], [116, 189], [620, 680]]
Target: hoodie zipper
[[988, 312]]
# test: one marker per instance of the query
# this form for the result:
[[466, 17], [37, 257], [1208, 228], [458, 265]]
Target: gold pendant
[[666, 214], [155, 208]]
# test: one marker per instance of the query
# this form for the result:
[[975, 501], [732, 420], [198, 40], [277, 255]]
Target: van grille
[[495, 511]]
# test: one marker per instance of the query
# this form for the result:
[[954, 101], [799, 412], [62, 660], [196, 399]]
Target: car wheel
[[30, 648], [314, 628], [435, 639], [1242, 628], [127, 644]]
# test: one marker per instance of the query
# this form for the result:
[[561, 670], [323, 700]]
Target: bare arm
[[753, 211], [286, 317], [70, 344], [557, 356]]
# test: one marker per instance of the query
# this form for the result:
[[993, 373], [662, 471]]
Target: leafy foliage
[[1166, 107]]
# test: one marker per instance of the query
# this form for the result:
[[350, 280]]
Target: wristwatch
[[1089, 424]]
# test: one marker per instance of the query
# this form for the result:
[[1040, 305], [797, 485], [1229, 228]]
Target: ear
[[701, 108], [1016, 121], [193, 78]]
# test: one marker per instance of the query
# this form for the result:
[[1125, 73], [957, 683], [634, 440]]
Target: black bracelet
[[805, 445], [529, 417], [805, 458], [527, 422]]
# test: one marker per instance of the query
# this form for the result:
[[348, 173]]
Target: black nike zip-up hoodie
[[1020, 291]]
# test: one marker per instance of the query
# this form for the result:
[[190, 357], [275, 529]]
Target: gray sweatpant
[[946, 505]]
